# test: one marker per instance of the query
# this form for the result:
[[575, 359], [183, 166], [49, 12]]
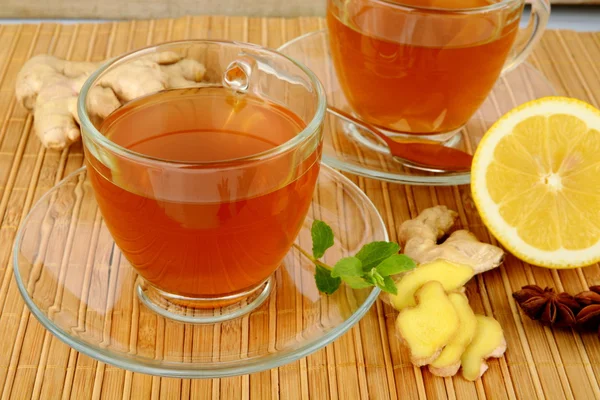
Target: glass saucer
[[349, 148], [78, 285]]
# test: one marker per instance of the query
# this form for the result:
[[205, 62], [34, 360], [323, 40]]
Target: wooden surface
[[367, 362], [140, 9]]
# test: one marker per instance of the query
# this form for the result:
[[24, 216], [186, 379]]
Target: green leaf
[[373, 253], [322, 238], [325, 282], [395, 264], [356, 282], [348, 266], [389, 286], [369, 279]]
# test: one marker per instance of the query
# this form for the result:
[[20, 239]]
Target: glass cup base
[[371, 141], [194, 310]]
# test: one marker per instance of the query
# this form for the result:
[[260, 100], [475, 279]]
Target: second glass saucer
[[349, 148]]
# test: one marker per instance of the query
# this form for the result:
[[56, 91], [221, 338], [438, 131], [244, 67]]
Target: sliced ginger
[[439, 328], [488, 342], [448, 363], [430, 325], [450, 275]]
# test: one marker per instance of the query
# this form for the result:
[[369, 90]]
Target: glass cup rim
[[468, 10], [88, 129]]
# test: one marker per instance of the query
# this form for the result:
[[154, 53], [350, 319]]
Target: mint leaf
[[395, 264], [369, 279], [373, 253], [322, 238], [389, 285], [356, 282], [348, 266], [325, 282]]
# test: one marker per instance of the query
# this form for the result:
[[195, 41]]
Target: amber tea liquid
[[422, 74], [202, 230]]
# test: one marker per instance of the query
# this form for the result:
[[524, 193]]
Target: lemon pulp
[[536, 182]]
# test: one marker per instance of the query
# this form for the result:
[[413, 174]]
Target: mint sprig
[[373, 265]]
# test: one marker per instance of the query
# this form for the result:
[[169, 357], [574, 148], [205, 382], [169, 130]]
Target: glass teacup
[[204, 186], [417, 67]]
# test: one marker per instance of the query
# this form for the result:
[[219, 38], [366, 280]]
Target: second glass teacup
[[422, 68]]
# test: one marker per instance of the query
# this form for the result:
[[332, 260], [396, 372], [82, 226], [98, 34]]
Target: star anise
[[547, 306], [589, 316]]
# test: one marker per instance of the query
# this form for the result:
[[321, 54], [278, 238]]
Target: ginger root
[[420, 235], [448, 363], [48, 87], [429, 326], [488, 342], [153, 73], [451, 276]]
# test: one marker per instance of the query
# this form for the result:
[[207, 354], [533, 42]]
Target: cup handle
[[528, 37]]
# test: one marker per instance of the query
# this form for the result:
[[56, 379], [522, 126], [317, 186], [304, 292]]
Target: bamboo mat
[[368, 361]]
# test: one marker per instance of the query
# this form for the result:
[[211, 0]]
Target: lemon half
[[535, 180]]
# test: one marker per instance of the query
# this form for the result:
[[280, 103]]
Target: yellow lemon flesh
[[535, 180]]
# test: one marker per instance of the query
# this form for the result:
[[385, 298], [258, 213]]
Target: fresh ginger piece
[[448, 363], [419, 238], [488, 342], [429, 326], [49, 87], [452, 277]]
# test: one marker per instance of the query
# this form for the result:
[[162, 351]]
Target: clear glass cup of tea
[[422, 68], [204, 185]]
